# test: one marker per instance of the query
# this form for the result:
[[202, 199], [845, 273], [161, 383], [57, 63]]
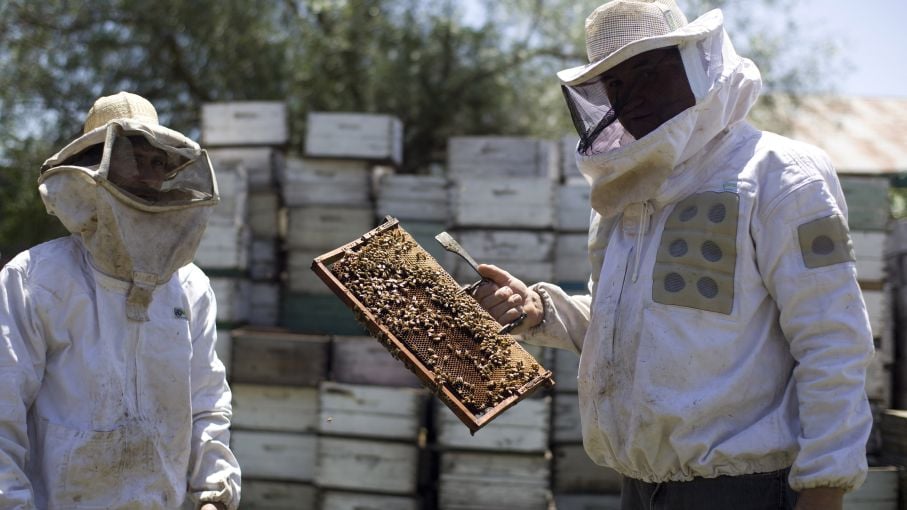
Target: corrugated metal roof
[[863, 135]]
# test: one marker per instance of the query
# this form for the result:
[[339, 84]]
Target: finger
[[502, 310], [484, 290], [501, 295]]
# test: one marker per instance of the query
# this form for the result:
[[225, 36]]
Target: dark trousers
[[763, 491]]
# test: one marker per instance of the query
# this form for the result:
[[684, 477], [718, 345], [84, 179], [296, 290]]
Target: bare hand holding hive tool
[[450, 244]]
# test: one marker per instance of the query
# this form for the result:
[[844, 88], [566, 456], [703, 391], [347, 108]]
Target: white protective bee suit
[[112, 395], [725, 332]]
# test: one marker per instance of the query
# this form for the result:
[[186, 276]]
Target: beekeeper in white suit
[[112, 395], [724, 340]]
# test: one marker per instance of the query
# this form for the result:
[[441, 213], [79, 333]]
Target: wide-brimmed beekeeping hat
[[122, 105], [622, 29]]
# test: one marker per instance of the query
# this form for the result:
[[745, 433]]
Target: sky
[[874, 37]]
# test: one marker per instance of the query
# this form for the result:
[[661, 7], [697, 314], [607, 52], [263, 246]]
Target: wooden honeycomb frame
[[490, 362]]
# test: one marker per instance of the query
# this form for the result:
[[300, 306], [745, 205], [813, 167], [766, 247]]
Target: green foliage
[[415, 59]]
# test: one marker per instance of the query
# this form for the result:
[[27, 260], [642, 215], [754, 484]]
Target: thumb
[[494, 273]]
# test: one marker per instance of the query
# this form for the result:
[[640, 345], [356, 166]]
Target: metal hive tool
[[421, 315]]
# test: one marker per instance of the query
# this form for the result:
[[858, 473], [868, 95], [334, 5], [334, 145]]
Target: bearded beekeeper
[[112, 395], [724, 340]]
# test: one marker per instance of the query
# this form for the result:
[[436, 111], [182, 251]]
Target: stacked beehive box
[[502, 204], [868, 217], [371, 451], [239, 250], [571, 260], [329, 203], [275, 382], [420, 202]]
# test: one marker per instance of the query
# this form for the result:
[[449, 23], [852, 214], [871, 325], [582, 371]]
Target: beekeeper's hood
[[621, 169], [138, 194]]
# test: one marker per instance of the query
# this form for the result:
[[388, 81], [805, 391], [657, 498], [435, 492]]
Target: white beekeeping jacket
[[724, 332], [97, 411]]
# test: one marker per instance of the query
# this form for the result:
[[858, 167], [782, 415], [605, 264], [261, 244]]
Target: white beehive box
[[869, 248], [233, 189], [370, 465], [262, 164], [268, 495], [371, 411], [275, 455], [339, 500], [573, 209], [315, 182], [879, 492], [571, 258], [413, 197], [504, 203], [566, 368], [526, 254], [300, 277], [224, 347], [471, 157], [493, 481], [244, 123], [876, 303], [264, 206], [569, 169], [522, 428], [232, 296], [363, 360], [274, 408], [263, 264], [566, 424], [264, 303], [574, 471], [365, 136], [224, 245], [326, 228]]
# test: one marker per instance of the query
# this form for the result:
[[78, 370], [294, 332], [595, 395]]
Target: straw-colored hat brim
[[693, 31]]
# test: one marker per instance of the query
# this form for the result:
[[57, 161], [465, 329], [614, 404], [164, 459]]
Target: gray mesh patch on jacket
[[825, 242], [698, 253]]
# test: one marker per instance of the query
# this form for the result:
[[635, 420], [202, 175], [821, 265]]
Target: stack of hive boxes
[[502, 204], [571, 260], [868, 218], [420, 202], [239, 250], [329, 203]]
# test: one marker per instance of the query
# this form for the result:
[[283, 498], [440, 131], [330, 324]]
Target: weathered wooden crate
[[869, 249], [493, 481], [340, 500], [263, 259], [232, 294], [244, 123], [318, 314], [275, 408], [565, 501], [365, 136], [573, 208], [569, 169], [279, 358], [362, 360], [470, 157], [331, 182], [419, 313], [373, 412], [263, 303], [574, 471], [868, 207], [878, 492], [413, 197], [300, 278], [323, 228], [275, 455], [224, 245], [269, 495], [386, 467], [566, 369], [505, 203], [571, 258], [233, 189], [262, 164], [264, 208], [566, 424], [524, 429]]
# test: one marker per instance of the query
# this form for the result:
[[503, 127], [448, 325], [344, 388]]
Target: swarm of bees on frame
[[425, 309]]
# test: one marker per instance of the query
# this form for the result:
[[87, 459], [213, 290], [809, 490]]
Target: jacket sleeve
[[22, 358], [565, 321], [214, 474], [804, 252]]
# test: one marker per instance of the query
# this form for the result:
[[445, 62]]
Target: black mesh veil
[[591, 111]]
